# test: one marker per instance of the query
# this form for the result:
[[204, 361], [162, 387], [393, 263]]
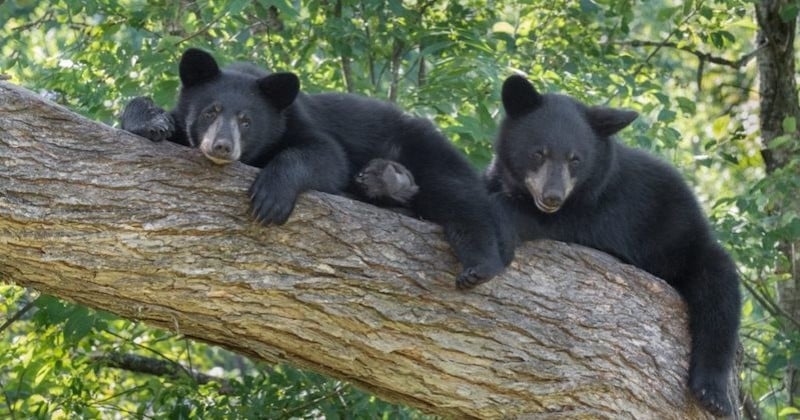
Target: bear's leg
[[314, 162], [461, 207], [713, 298], [504, 227], [143, 117]]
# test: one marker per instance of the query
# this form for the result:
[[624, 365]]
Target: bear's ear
[[608, 121], [197, 66], [280, 88], [519, 96]]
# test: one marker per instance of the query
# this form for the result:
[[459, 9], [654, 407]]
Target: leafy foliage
[[442, 59]]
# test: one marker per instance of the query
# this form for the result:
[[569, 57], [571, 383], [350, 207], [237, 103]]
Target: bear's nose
[[552, 200], [222, 147]]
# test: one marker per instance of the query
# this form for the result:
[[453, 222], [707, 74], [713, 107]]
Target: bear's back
[[367, 127]]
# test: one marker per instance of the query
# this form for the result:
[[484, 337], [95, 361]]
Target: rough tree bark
[[155, 232]]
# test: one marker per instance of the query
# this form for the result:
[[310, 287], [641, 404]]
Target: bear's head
[[232, 115], [550, 146]]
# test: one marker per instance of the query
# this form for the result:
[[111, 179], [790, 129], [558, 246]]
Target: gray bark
[[155, 232]]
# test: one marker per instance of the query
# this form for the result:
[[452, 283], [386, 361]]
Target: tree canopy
[[687, 67]]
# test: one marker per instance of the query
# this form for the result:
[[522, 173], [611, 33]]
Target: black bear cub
[[562, 176], [319, 142]]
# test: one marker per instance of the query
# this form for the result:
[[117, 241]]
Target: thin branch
[[749, 407], [769, 306], [421, 71], [8, 402], [294, 410], [120, 409], [397, 54], [152, 366], [663, 43], [47, 16], [421, 74], [700, 65], [201, 31], [119, 394], [741, 62], [188, 353], [152, 350], [368, 35], [347, 70], [16, 316]]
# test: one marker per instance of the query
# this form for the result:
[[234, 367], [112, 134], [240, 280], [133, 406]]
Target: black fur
[[143, 117], [386, 183], [624, 202], [319, 142]]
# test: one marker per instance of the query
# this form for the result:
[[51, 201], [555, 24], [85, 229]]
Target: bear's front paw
[[271, 203], [144, 118], [711, 391], [475, 275]]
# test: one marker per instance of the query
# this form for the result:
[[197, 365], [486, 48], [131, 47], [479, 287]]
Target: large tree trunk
[[778, 100], [157, 233]]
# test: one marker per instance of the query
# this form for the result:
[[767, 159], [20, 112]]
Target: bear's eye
[[537, 156], [212, 112], [574, 161], [244, 121]]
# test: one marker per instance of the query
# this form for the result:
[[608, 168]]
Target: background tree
[[730, 125]]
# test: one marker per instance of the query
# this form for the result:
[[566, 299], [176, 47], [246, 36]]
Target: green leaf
[[787, 411], [236, 6], [730, 158], [747, 308], [503, 27], [779, 141], [789, 12], [666, 115], [589, 7], [688, 5], [720, 125], [792, 229], [78, 325], [687, 105], [51, 310], [285, 7], [789, 125], [666, 13], [776, 363], [717, 40], [664, 99]]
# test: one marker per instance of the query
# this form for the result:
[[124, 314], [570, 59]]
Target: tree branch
[[14, 318], [155, 232], [741, 62], [344, 59], [151, 366], [397, 55]]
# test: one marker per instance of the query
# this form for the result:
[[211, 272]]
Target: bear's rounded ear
[[608, 121], [197, 66], [519, 96], [280, 88]]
